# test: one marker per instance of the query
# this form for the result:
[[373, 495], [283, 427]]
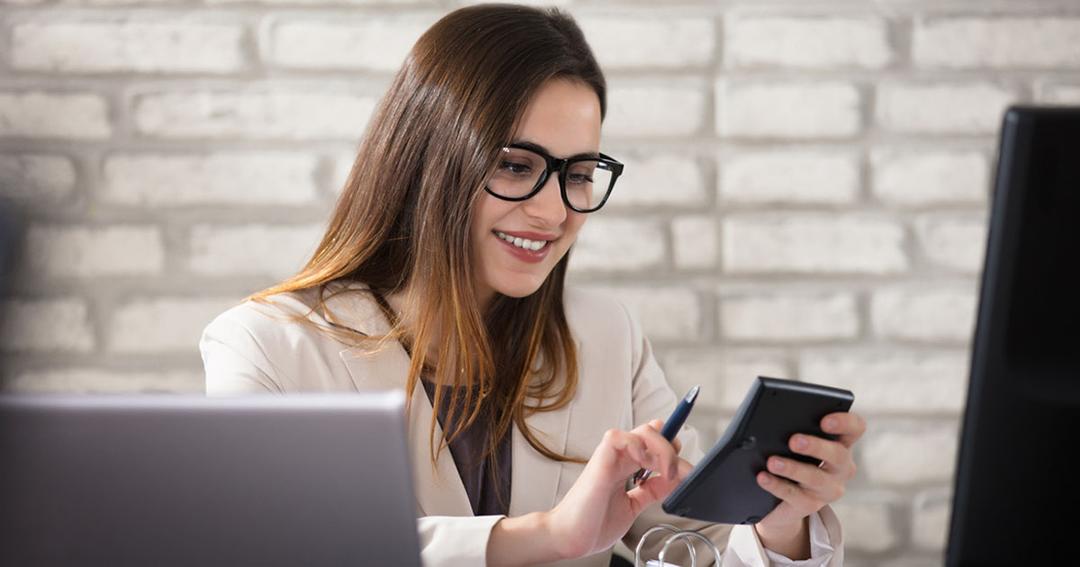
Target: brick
[[158, 325], [786, 176], [154, 47], [621, 42], [908, 452], [806, 42], [916, 178], [779, 317], [866, 517], [958, 108], [665, 313], [254, 113], [87, 251], [812, 243], [894, 380], [725, 377], [93, 380], [695, 241], [1059, 94], [37, 178], [965, 43], [930, 517], [373, 43], [953, 241], [54, 115], [661, 179], [930, 315], [265, 178], [45, 325], [654, 111], [827, 110], [272, 251], [618, 244]]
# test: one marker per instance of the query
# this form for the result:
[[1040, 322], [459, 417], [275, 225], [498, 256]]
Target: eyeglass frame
[[561, 165]]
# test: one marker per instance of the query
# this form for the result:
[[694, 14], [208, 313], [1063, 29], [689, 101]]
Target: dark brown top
[[488, 493]]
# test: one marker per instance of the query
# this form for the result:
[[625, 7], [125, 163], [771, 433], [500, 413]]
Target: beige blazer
[[252, 348]]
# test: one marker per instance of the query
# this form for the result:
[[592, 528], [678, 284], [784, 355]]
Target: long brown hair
[[402, 220]]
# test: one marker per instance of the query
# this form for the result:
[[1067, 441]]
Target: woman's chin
[[520, 288]]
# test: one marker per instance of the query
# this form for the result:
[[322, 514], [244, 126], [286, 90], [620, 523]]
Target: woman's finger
[[801, 501], [813, 479], [849, 426], [836, 456], [662, 448]]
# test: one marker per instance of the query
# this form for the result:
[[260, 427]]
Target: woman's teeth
[[525, 243]]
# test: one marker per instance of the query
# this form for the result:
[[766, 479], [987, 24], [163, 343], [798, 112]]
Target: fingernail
[[829, 423], [765, 479], [776, 464], [800, 442]]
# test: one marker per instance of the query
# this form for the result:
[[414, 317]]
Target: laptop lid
[[311, 479]]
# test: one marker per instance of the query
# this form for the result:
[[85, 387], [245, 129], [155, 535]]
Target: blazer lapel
[[439, 490], [535, 477]]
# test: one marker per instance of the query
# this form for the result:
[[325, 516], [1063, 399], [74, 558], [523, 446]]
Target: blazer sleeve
[[234, 361], [653, 398]]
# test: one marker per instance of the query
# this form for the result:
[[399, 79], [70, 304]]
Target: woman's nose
[[547, 204]]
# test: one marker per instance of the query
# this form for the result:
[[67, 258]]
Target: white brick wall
[[258, 179], [34, 178], [84, 252], [807, 110], [36, 114], [653, 111], [695, 241], [805, 193], [606, 243], [635, 42], [812, 243], [270, 251], [942, 108], [289, 114], [789, 317], [378, 44], [937, 316], [162, 325], [909, 453], [146, 47], [996, 42], [867, 521], [786, 176], [811, 42], [917, 178], [665, 179], [45, 325], [892, 380]]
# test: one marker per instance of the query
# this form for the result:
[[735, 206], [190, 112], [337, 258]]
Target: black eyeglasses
[[523, 169]]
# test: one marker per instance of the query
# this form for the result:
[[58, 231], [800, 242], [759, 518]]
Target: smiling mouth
[[522, 243]]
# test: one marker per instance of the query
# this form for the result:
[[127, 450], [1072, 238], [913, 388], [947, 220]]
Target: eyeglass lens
[[519, 171]]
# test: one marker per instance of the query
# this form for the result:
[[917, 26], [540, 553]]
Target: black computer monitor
[[1017, 491]]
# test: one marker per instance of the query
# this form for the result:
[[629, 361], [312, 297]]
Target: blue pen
[[671, 428]]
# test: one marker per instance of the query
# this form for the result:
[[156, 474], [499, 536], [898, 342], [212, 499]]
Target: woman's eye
[[578, 178], [516, 168]]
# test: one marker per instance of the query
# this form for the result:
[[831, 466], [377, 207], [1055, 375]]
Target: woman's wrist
[[523, 540], [791, 541]]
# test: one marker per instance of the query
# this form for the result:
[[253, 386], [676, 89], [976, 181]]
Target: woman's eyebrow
[[541, 149]]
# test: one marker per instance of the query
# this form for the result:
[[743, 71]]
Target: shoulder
[[292, 318], [595, 312]]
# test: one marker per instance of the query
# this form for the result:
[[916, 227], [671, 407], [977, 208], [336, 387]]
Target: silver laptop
[[185, 480]]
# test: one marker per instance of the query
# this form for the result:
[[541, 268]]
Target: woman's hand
[[598, 510], [805, 488]]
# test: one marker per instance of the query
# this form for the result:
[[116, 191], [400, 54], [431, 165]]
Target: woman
[[443, 267]]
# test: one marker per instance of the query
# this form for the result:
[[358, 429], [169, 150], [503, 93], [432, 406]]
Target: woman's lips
[[525, 255]]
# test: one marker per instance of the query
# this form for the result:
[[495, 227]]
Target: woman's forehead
[[564, 117]]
